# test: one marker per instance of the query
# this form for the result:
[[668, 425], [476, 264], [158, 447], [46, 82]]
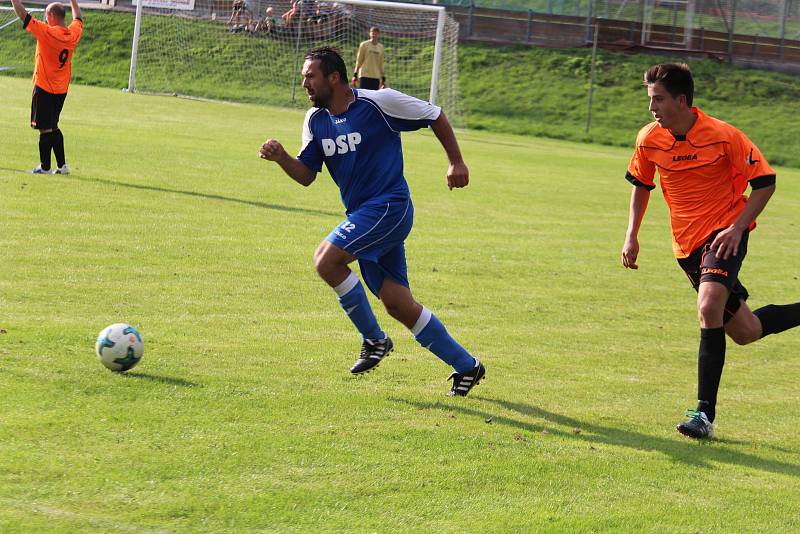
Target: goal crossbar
[[4, 25]]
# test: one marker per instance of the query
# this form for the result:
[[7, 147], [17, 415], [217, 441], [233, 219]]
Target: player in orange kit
[[704, 167], [55, 44]]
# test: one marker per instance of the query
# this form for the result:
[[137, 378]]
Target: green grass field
[[243, 417]]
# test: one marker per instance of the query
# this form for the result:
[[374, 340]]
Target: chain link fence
[[737, 30]]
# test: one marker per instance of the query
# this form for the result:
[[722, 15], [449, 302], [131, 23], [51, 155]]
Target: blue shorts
[[374, 234]]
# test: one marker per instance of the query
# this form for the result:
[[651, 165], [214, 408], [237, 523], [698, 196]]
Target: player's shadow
[[537, 420], [208, 196], [166, 380], [20, 171]]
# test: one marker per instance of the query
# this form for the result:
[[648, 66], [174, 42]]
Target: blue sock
[[431, 334], [354, 301]]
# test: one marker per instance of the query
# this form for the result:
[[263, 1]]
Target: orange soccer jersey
[[54, 48], [703, 177]]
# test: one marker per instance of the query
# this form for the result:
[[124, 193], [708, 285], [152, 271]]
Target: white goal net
[[10, 23], [252, 50], [8, 16]]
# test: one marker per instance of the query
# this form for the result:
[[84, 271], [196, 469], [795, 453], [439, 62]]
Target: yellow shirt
[[370, 60]]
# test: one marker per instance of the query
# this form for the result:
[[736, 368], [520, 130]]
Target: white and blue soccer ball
[[119, 347]]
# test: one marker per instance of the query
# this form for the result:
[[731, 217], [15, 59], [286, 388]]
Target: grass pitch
[[243, 417]]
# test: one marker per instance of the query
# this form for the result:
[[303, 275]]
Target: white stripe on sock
[[345, 287], [422, 322]]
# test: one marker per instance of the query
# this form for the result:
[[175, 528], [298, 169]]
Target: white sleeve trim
[[307, 135], [401, 106]]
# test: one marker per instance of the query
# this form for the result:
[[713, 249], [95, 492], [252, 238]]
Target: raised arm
[[272, 150], [640, 196], [76, 10], [457, 172], [19, 9]]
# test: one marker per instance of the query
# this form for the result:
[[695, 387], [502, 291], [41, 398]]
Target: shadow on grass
[[21, 171], [208, 196], [168, 380], [698, 454]]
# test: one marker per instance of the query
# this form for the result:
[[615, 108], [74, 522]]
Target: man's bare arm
[[727, 241], [272, 150], [20, 10], [76, 10], [457, 172], [640, 196]]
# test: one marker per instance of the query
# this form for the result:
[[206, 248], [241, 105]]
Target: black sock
[[776, 318], [711, 359], [58, 147], [45, 145]]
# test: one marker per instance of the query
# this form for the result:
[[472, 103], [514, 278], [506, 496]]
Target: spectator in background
[[289, 16], [369, 63], [267, 24], [236, 15]]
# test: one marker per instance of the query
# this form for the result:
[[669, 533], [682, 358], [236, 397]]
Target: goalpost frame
[[12, 21], [16, 19], [137, 30], [437, 46]]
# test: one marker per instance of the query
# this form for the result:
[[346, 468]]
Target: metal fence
[[737, 30]]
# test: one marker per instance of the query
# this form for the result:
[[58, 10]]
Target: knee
[[322, 264], [709, 313], [745, 335], [740, 339], [398, 306], [394, 307]]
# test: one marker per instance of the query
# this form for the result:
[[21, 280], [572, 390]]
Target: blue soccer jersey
[[361, 147]]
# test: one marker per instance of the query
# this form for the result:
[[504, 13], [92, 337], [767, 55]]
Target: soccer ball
[[119, 347]]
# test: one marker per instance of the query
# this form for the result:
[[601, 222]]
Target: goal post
[[252, 50], [9, 22]]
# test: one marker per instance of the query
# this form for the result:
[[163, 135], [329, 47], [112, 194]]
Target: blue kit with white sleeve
[[363, 153]]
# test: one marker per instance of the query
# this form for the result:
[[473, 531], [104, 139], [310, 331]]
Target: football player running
[[356, 134]]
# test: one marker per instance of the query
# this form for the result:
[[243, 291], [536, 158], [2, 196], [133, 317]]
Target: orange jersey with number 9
[[54, 48]]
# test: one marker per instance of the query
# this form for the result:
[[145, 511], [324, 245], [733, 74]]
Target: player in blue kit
[[356, 134]]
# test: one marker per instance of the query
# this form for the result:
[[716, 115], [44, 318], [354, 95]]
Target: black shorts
[[369, 83], [702, 265], [46, 109]]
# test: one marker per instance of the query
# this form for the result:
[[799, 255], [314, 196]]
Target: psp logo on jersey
[[342, 144]]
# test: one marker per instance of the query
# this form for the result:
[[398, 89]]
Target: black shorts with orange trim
[[46, 109], [702, 265]]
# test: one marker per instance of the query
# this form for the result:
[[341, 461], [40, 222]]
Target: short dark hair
[[329, 61], [375, 28], [58, 10], [676, 79]]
